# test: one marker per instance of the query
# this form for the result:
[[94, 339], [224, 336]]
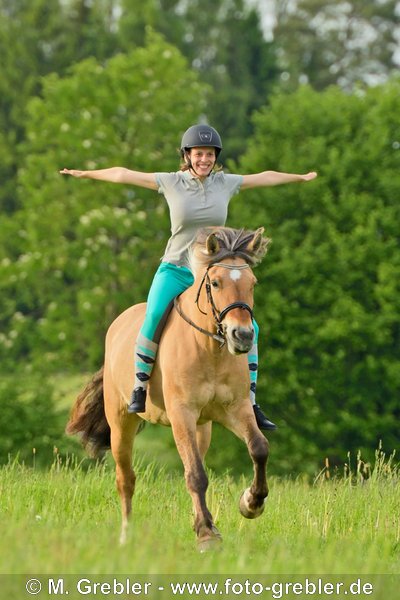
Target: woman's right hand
[[72, 172]]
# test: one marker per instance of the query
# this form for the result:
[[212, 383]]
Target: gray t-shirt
[[194, 204]]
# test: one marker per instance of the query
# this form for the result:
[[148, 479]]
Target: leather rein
[[218, 315]]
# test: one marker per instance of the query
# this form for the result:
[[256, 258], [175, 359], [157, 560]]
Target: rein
[[215, 336], [218, 315]]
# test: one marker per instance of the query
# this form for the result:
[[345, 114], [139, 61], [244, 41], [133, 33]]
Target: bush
[[32, 429]]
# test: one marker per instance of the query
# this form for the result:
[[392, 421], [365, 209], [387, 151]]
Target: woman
[[198, 196]]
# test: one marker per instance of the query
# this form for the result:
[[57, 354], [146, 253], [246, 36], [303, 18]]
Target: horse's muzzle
[[239, 339]]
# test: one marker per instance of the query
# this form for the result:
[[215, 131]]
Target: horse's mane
[[232, 242]]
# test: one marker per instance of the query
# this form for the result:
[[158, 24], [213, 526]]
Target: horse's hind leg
[[123, 430], [121, 448]]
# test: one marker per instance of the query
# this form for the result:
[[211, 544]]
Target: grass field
[[66, 520]]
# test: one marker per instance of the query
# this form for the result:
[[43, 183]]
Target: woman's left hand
[[309, 176]]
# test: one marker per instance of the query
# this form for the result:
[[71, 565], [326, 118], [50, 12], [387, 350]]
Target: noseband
[[219, 316]]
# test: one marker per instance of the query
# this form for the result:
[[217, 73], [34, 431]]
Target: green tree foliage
[[224, 43], [87, 250], [38, 37], [329, 295], [74, 253], [328, 41]]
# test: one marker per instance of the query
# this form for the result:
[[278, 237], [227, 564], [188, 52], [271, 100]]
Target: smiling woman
[[198, 195]]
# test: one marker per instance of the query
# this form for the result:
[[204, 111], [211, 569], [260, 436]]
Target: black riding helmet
[[201, 136]]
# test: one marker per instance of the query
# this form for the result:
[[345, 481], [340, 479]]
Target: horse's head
[[228, 279]]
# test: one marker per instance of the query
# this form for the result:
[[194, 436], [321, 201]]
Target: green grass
[[67, 520]]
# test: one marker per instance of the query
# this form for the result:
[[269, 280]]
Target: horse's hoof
[[210, 541], [244, 506], [209, 544]]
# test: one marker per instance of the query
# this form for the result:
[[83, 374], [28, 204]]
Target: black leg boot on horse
[[138, 401], [262, 421]]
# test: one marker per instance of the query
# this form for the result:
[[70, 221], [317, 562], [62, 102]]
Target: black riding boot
[[138, 401], [262, 421]]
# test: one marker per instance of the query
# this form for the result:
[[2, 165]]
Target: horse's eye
[[214, 283]]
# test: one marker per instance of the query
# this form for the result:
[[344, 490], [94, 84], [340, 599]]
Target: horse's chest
[[225, 387], [205, 380], [209, 391]]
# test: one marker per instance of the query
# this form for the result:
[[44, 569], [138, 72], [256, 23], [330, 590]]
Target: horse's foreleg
[[203, 437], [184, 430], [252, 501], [243, 424]]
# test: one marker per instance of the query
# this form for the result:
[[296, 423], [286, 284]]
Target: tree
[[328, 301], [325, 42], [224, 43], [38, 37], [87, 250]]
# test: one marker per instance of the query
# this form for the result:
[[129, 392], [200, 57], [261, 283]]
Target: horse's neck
[[194, 308]]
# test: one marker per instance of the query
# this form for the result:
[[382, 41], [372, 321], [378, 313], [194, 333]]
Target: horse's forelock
[[232, 242]]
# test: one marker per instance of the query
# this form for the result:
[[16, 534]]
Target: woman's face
[[203, 160]]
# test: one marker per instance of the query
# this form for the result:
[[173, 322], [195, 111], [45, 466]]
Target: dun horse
[[201, 375]]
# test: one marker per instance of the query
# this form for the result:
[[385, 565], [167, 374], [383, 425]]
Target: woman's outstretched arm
[[269, 178], [117, 175]]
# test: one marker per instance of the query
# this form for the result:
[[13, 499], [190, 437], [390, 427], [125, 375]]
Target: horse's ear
[[255, 244], [212, 244]]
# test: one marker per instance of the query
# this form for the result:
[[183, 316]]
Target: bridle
[[219, 316]]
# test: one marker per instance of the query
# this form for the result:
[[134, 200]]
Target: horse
[[201, 376]]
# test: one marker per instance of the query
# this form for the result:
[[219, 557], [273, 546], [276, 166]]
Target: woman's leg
[[169, 281], [252, 358], [262, 421]]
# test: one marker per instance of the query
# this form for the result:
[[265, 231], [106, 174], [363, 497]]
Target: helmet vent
[[205, 136]]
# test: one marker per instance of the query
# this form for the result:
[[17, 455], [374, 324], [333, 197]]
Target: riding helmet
[[201, 136]]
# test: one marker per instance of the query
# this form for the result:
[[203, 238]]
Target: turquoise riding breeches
[[169, 281]]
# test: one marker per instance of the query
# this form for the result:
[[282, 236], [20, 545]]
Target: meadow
[[66, 519]]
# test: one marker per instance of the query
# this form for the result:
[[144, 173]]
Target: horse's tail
[[88, 419]]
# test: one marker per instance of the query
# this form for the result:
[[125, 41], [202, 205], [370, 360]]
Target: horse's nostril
[[248, 334], [242, 334]]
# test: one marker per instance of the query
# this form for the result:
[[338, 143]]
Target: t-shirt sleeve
[[165, 181], [233, 182]]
